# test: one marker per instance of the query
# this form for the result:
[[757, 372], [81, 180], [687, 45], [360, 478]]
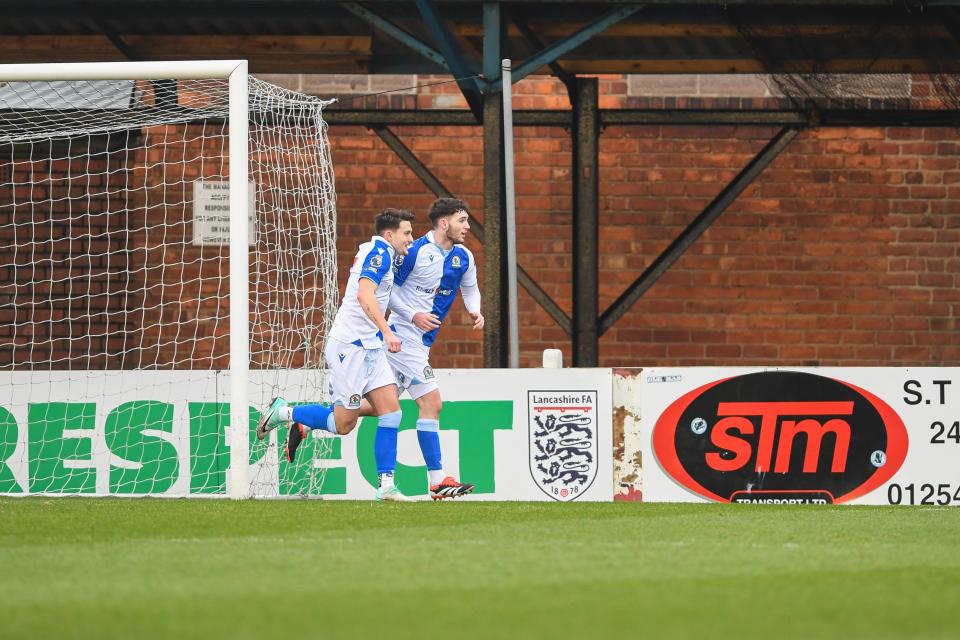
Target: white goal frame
[[235, 71]]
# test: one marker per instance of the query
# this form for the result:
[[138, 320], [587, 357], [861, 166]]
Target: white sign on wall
[[211, 213], [801, 435]]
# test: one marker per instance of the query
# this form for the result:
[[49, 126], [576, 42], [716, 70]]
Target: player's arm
[[419, 319], [399, 307], [372, 272], [367, 297], [471, 294], [423, 321]]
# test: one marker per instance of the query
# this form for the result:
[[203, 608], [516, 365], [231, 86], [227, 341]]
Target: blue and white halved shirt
[[427, 280]]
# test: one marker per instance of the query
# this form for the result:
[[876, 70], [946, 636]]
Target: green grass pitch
[[151, 568]]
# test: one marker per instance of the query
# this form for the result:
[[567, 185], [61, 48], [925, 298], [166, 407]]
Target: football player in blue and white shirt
[[426, 282], [355, 356]]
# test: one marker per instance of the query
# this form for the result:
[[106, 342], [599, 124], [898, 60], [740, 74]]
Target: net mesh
[[800, 70], [114, 282]]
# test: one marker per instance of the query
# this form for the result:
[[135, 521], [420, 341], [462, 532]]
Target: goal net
[[136, 342], [799, 73]]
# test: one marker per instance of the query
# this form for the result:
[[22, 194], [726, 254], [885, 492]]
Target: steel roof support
[[696, 228], [395, 32], [566, 78], [554, 51], [586, 222], [610, 117], [494, 283], [494, 43], [461, 72]]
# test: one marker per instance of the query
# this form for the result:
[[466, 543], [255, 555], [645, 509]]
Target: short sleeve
[[376, 264]]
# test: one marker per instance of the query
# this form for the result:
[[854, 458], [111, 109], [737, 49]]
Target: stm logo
[[780, 433]]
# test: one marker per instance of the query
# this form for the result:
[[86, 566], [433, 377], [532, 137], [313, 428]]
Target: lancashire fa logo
[[563, 442]]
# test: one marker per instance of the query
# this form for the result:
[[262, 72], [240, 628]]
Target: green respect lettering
[[61, 435], [156, 459], [8, 444], [49, 448], [475, 423]]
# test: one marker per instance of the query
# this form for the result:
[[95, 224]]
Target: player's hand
[[392, 342], [477, 320], [425, 321]]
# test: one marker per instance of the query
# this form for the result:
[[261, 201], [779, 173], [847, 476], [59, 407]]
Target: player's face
[[459, 225], [402, 238]]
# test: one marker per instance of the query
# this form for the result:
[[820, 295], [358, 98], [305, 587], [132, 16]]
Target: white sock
[[436, 476], [285, 413], [386, 480]]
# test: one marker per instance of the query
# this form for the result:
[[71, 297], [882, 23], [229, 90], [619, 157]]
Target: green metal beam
[[461, 72], [567, 79], [571, 42], [396, 32], [494, 38]]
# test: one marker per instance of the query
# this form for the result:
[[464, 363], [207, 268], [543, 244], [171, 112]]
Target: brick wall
[[98, 269], [55, 231], [846, 251]]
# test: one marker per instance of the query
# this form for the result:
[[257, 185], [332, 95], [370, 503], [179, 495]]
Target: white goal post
[[315, 199]]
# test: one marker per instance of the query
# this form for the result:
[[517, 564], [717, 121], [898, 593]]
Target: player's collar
[[390, 248], [432, 240]]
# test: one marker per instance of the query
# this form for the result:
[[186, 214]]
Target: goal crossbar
[[194, 69]]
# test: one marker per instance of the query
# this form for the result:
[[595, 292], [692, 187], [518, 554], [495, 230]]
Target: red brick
[[837, 253]]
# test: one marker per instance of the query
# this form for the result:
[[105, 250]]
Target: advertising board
[[801, 435]]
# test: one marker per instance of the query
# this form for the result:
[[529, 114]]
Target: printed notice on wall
[[211, 213]]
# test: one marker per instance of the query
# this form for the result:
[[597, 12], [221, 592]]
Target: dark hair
[[443, 207], [390, 219]]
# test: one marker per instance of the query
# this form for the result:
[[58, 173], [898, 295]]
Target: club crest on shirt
[[401, 378], [455, 262], [398, 261], [354, 401], [376, 262], [428, 373]]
